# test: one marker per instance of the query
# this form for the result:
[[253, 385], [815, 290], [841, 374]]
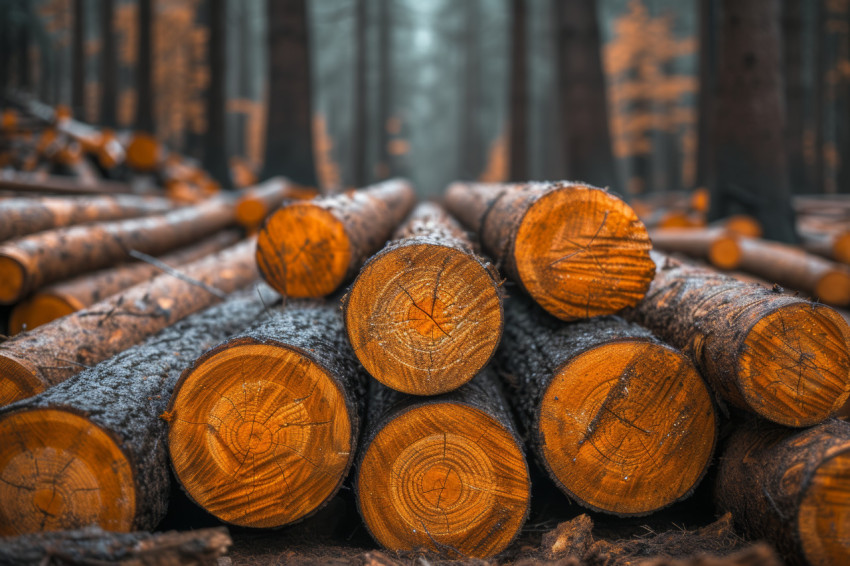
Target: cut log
[[32, 261], [715, 244], [257, 202], [781, 357], [144, 153], [791, 488], [63, 298], [576, 249], [92, 545], [92, 450], [308, 249], [263, 427], [55, 184], [425, 314], [741, 225], [50, 354], [835, 246], [621, 422], [22, 216], [445, 473]]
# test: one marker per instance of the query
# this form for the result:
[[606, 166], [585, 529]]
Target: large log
[[50, 354], [444, 473], [622, 423], [781, 357], [257, 202], [32, 261], [263, 428], [308, 249], [61, 299], [425, 313], [790, 487], [578, 250], [22, 216], [92, 450]]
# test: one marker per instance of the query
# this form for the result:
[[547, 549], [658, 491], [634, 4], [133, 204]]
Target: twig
[[174, 273]]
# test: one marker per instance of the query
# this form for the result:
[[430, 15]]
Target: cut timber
[[93, 545], [92, 449], [263, 427], [425, 314], [32, 261], [741, 225], [621, 422], [308, 249], [715, 244], [55, 184], [256, 203], [577, 250], [50, 354], [144, 153], [784, 358], [790, 487], [445, 473], [22, 216], [63, 298], [835, 246]]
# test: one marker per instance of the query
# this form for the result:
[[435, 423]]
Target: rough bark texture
[[798, 372], [35, 260], [769, 478], [125, 396], [55, 184], [93, 545], [22, 216], [56, 351]]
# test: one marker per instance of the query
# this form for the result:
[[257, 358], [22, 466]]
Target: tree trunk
[[257, 202], [50, 354], [359, 130], [578, 250], [100, 437], [309, 249], [289, 138], [215, 139], [792, 53], [519, 93], [144, 69], [385, 88], [108, 66], [790, 487], [271, 442], [443, 473], [780, 357], [66, 297], [471, 162], [620, 421], [78, 59], [425, 313], [706, 174]]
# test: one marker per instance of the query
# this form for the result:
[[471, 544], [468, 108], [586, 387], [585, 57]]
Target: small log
[[621, 422], [577, 250], [445, 473], [32, 261], [716, 244], [54, 184], [257, 202], [425, 314], [742, 225], [263, 428], [308, 249], [22, 216], [781, 357], [92, 450], [144, 153], [50, 354], [63, 298], [834, 246], [92, 545], [790, 487]]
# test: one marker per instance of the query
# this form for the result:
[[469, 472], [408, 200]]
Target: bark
[[795, 95], [59, 350], [124, 397], [296, 371], [471, 161], [519, 93], [638, 444], [23, 216], [781, 357], [786, 486], [309, 249], [35, 260], [108, 66], [54, 184], [359, 131], [425, 314], [78, 58], [562, 242], [707, 87], [413, 438], [215, 138], [144, 122]]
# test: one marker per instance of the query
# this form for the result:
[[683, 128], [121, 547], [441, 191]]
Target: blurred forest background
[[621, 93]]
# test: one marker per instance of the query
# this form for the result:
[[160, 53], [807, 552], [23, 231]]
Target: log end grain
[[743, 225], [19, 379], [59, 471], [579, 265], [794, 366], [823, 519], [627, 427], [424, 318], [724, 251], [250, 212], [40, 309], [303, 251], [834, 287], [841, 247], [143, 152], [13, 278], [445, 477], [259, 434]]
